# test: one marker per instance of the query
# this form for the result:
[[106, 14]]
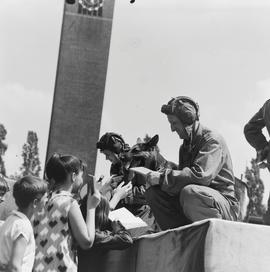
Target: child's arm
[[19, 247], [84, 231], [121, 192]]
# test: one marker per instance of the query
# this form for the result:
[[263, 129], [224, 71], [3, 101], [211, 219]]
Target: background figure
[[255, 137], [7, 201], [122, 158], [203, 185], [113, 146], [4, 188]]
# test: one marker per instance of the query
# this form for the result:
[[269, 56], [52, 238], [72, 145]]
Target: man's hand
[[152, 179]]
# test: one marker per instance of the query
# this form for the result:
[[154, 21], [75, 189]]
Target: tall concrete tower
[[80, 79]]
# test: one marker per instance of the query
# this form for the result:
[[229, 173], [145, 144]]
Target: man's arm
[[253, 129], [205, 168]]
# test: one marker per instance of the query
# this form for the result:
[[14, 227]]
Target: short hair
[[58, 167], [27, 189]]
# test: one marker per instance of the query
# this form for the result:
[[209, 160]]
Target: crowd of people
[[51, 226]]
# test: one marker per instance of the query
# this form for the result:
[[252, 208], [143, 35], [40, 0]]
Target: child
[[7, 202], [3, 187], [109, 235], [59, 220], [17, 243]]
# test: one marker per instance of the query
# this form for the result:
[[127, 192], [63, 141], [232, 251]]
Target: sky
[[30, 35], [217, 52]]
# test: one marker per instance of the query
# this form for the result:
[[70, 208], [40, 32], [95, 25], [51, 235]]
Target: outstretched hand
[[110, 184], [122, 190]]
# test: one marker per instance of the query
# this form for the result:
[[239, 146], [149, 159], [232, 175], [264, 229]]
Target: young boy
[[17, 242]]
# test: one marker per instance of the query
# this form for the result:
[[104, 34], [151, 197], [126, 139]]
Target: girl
[[59, 220], [109, 235]]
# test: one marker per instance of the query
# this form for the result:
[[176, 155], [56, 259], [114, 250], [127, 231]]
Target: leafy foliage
[[256, 190], [3, 148], [30, 154]]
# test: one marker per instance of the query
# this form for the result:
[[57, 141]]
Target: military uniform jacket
[[205, 160], [253, 129]]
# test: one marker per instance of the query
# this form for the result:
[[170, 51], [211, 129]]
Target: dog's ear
[[153, 141], [139, 141]]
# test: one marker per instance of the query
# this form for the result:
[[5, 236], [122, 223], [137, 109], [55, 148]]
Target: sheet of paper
[[128, 220], [140, 170]]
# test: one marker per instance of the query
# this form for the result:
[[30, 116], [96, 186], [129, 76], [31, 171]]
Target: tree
[[3, 149], [31, 162], [256, 190]]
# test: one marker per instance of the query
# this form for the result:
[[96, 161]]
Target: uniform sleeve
[[171, 165], [205, 168], [253, 129]]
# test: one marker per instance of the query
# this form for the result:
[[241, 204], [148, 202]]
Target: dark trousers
[[194, 203], [166, 209]]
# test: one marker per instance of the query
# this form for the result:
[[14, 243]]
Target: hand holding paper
[[151, 177]]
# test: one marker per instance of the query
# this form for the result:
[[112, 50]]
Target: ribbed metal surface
[[80, 85]]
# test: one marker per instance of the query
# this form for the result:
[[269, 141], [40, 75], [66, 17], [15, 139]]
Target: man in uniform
[[203, 185], [255, 137]]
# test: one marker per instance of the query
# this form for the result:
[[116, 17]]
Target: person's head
[[65, 169], [111, 145], [182, 112], [102, 214], [110, 156], [3, 187], [28, 191]]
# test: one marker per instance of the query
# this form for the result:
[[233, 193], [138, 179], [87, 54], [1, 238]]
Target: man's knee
[[187, 195], [197, 204], [188, 201], [166, 208]]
